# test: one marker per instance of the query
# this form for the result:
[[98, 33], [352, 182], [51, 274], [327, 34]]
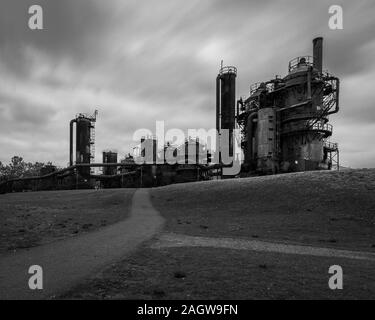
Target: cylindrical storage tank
[[303, 95], [228, 100], [250, 138], [312, 151], [109, 157], [83, 141], [266, 136], [83, 131], [227, 103]]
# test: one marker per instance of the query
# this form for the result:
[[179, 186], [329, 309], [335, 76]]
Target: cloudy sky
[[146, 60]]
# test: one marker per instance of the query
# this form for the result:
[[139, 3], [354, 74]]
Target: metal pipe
[[309, 71], [218, 116], [249, 133], [337, 94], [85, 165], [71, 142], [197, 151], [218, 103], [113, 176]]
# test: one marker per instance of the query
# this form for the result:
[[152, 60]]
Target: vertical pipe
[[309, 71], [154, 150], [218, 111], [197, 151], [249, 133], [218, 103], [71, 142], [318, 53], [337, 94], [143, 151], [186, 151]]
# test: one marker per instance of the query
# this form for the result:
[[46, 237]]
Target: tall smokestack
[[318, 53], [218, 103], [226, 102]]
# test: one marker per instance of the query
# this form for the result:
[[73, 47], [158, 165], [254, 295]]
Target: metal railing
[[331, 145], [322, 127], [254, 87], [228, 69], [268, 86], [306, 126], [300, 61], [299, 116]]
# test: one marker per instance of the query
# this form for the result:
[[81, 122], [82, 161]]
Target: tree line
[[18, 168]]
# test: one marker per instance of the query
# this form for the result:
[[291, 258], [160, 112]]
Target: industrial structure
[[109, 156], [85, 141], [225, 108], [284, 121], [284, 124]]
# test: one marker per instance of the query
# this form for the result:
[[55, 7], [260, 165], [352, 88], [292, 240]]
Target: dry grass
[[34, 218], [333, 209], [326, 209], [206, 273]]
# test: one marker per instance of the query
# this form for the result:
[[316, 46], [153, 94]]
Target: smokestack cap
[[318, 38]]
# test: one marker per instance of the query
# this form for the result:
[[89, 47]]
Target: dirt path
[[169, 240], [66, 262]]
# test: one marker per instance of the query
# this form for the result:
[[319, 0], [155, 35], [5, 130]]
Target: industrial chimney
[[318, 53], [226, 102]]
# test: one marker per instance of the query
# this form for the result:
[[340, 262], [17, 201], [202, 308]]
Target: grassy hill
[[33, 218], [322, 209], [325, 208]]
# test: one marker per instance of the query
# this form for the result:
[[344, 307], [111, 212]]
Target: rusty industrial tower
[[85, 141], [225, 107], [284, 121]]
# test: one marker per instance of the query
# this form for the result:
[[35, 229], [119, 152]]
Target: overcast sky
[[142, 61]]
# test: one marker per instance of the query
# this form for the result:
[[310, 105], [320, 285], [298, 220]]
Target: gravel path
[[67, 262], [170, 240]]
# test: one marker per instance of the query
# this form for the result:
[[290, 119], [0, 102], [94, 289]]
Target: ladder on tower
[[92, 144]]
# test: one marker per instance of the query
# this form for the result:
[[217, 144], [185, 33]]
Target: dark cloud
[[20, 112], [138, 62]]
